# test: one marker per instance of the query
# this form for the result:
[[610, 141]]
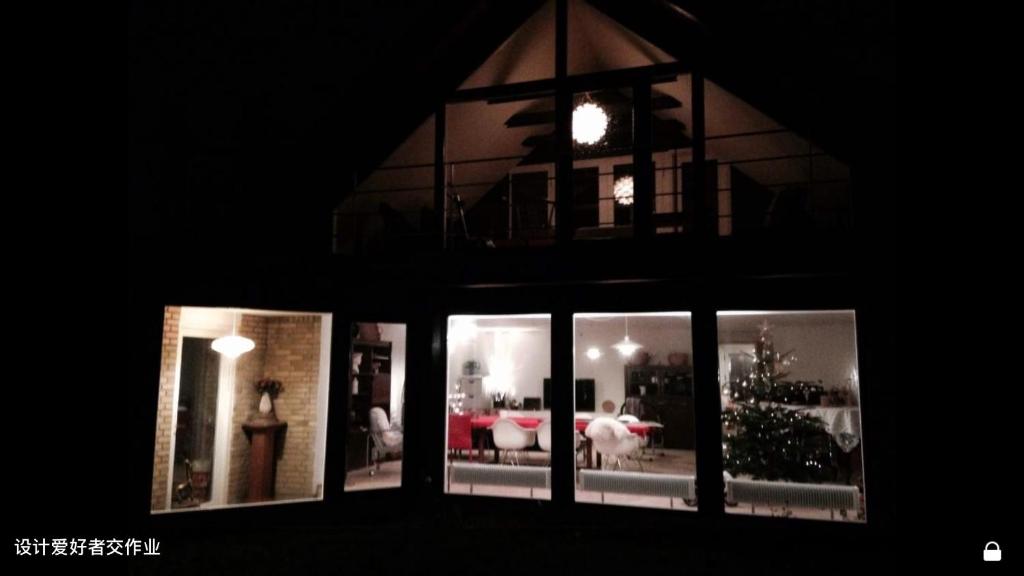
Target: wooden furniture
[[263, 437], [666, 394], [371, 388]]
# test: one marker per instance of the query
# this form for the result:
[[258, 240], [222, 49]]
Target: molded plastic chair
[[510, 436]]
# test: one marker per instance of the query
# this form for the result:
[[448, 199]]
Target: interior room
[[499, 406], [637, 435], [791, 421], [375, 437], [242, 410]]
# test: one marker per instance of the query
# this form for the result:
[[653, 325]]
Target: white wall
[[659, 337], [524, 343], [824, 343], [395, 333]]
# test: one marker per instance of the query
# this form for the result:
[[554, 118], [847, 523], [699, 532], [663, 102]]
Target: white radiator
[[767, 493], [640, 483], [500, 475]]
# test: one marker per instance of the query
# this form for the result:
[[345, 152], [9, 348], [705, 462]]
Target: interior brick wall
[[248, 369], [293, 357], [168, 367]]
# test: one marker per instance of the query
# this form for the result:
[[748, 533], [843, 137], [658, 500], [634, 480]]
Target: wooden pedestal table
[[262, 462]]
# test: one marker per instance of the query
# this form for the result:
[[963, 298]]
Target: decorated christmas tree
[[767, 440]]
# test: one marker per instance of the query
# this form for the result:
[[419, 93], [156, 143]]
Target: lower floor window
[[242, 408], [791, 414]]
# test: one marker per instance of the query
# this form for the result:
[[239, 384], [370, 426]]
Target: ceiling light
[[593, 353], [234, 345], [623, 191], [627, 347], [589, 123]]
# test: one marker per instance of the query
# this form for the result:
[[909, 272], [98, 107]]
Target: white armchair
[[613, 439], [384, 440], [511, 437]]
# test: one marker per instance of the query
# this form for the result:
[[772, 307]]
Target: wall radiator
[[767, 493], [640, 483], [500, 475]]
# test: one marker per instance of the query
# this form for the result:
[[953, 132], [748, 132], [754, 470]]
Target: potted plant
[[268, 389]]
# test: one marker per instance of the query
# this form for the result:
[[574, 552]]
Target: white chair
[[612, 439], [386, 439], [511, 437], [544, 435], [628, 419]]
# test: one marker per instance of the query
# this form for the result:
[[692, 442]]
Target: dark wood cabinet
[[369, 387], [666, 394]]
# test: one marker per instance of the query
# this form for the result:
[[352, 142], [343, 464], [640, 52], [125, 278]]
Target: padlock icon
[[992, 552]]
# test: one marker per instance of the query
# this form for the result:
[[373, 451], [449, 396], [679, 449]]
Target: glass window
[[501, 187], [634, 426], [791, 417], [392, 207], [499, 416], [528, 54], [602, 180], [598, 43], [242, 412], [376, 406], [768, 177], [672, 152]]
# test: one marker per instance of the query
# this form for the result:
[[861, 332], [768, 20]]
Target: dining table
[[481, 425]]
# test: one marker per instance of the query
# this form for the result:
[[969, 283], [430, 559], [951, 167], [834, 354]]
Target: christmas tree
[[767, 440]]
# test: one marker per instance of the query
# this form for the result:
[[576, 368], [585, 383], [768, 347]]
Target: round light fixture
[[234, 345], [623, 191], [589, 123], [593, 353]]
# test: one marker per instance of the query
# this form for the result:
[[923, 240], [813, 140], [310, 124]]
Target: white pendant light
[[234, 345], [627, 347], [589, 123]]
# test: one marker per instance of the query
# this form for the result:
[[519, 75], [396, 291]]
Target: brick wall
[[162, 450], [248, 369], [293, 357], [287, 349]]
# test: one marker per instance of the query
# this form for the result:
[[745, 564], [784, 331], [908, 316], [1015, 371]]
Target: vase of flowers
[[268, 389]]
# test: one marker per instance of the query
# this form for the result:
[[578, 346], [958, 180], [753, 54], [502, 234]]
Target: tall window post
[[440, 192], [643, 169], [563, 127], [702, 203], [707, 417]]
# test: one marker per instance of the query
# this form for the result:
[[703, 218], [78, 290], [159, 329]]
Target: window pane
[[376, 406], [602, 180], [672, 152], [499, 417], [501, 188], [769, 178], [634, 426], [791, 416], [392, 207], [528, 54], [246, 424], [597, 42]]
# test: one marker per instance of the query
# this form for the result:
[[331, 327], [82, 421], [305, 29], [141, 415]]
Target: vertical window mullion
[[707, 411]]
